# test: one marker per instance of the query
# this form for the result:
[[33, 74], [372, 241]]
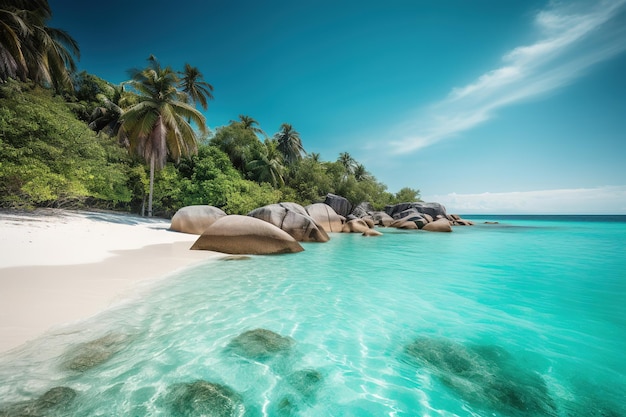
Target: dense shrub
[[49, 158]]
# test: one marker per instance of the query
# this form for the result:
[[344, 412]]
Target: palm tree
[[30, 49], [289, 143], [198, 90], [315, 156], [157, 125], [360, 173], [348, 162], [249, 123], [268, 166], [107, 117]]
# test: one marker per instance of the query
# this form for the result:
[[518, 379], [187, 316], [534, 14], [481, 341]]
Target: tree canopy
[[71, 139]]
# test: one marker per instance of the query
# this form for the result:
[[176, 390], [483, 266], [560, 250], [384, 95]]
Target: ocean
[[523, 317]]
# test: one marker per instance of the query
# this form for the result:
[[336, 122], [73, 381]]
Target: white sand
[[58, 266]]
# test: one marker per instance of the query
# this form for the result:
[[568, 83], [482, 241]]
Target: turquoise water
[[525, 317]]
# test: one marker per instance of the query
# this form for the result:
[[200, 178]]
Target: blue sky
[[485, 106]]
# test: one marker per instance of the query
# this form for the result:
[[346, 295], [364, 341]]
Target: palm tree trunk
[[152, 157]]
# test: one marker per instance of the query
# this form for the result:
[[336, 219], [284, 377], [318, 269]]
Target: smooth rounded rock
[[195, 219], [245, 235]]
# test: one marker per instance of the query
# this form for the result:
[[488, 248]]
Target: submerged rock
[[91, 354], [485, 376], [55, 400], [260, 344], [306, 382], [203, 399]]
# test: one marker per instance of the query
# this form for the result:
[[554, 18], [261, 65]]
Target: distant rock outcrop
[[195, 219], [381, 218], [363, 209], [433, 209], [245, 235], [293, 219], [341, 205]]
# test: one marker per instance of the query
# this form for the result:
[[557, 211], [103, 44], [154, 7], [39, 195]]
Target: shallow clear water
[[537, 306]]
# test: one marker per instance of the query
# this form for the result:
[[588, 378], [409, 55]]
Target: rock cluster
[[277, 228]]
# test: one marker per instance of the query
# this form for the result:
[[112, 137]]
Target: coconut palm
[[289, 143], [31, 50], [157, 125], [268, 166], [348, 162], [249, 123], [315, 157], [107, 117], [360, 173], [192, 82]]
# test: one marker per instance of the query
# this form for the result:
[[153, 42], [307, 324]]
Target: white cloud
[[574, 37], [599, 200]]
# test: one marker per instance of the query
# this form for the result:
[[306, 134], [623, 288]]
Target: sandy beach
[[59, 266]]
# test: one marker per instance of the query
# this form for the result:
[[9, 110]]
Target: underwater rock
[[306, 382], [204, 399], [54, 400], [88, 355], [485, 376], [260, 344], [287, 407]]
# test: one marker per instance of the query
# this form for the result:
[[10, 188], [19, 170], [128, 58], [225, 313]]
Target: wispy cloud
[[572, 38], [598, 200]]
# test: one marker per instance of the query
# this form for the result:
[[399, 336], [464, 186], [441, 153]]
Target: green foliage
[[50, 158], [310, 180], [241, 144], [209, 178], [407, 194]]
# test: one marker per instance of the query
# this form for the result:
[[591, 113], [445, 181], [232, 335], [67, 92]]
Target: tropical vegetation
[[72, 139]]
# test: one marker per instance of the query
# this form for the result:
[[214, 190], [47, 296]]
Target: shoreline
[[59, 267]]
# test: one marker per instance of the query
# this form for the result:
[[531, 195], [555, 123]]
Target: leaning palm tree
[[192, 82], [30, 49], [289, 143], [157, 126]]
